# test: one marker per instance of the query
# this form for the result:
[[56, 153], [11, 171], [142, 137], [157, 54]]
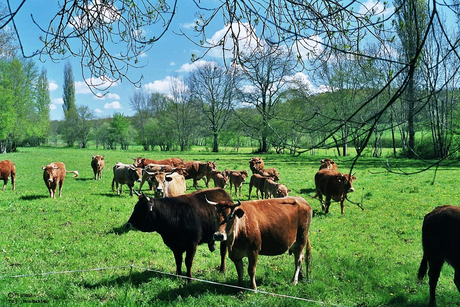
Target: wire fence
[[132, 266]]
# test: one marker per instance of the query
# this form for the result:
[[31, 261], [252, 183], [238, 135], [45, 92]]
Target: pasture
[[74, 250]]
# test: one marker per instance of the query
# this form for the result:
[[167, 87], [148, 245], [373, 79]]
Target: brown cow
[[97, 163], [441, 242], [142, 162], [258, 181], [265, 227], [257, 166], [328, 164], [7, 171], [197, 170], [333, 185], [151, 169], [274, 189], [220, 179], [236, 180], [183, 222], [168, 184], [54, 176]]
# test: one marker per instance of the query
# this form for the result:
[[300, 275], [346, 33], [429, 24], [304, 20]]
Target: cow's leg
[[239, 270], [178, 259], [60, 188], [189, 255], [298, 259], [252, 263], [4, 184], [223, 253], [250, 190], [13, 182], [433, 273], [119, 191], [342, 201], [327, 204]]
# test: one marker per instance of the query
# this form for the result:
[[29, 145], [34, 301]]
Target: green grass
[[365, 258]]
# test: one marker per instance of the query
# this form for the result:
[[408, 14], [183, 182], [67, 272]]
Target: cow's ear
[[239, 213], [168, 178], [353, 177]]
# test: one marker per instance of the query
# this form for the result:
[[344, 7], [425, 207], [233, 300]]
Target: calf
[[54, 176], [441, 242], [277, 190], [220, 179], [265, 227], [7, 171], [125, 174], [236, 180], [168, 184], [257, 166], [333, 185], [183, 222], [328, 164], [97, 163], [257, 181]]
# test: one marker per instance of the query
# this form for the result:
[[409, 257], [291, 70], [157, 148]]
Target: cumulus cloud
[[99, 111], [100, 96], [189, 67], [81, 87], [57, 101], [113, 105], [52, 86], [375, 7], [53, 106], [163, 86]]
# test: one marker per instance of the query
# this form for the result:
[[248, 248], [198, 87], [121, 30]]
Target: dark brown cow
[[7, 171], [142, 162], [183, 222], [236, 180], [265, 227], [220, 179], [257, 181], [125, 174], [97, 163], [333, 185], [328, 164], [197, 170], [441, 242], [257, 166], [54, 176], [274, 189]]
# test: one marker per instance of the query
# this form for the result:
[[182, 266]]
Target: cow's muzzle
[[351, 189], [220, 237]]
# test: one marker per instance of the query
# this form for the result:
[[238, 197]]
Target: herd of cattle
[[271, 225]]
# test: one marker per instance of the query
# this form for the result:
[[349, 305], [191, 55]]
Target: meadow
[[74, 250]]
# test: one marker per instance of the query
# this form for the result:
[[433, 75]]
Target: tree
[[42, 108], [213, 88], [120, 132], [69, 106], [83, 125], [7, 117], [183, 113]]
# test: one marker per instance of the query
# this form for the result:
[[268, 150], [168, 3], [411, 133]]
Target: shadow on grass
[[402, 300], [34, 197], [119, 230], [84, 179]]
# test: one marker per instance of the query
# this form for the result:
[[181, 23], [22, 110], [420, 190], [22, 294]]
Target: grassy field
[[73, 250]]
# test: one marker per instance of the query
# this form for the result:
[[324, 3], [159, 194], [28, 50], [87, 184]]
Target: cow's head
[[135, 173], [50, 172], [256, 164], [143, 216], [159, 180], [138, 162], [226, 217], [282, 191], [98, 160], [347, 182], [210, 167], [328, 164]]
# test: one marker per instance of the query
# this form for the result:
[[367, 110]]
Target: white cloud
[[376, 8], [113, 105], [53, 106], [100, 96], [310, 47], [103, 82], [189, 67], [99, 111], [163, 86], [57, 101], [52, 86]]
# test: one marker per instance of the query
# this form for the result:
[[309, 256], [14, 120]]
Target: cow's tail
[[423, 268], [75, 172]]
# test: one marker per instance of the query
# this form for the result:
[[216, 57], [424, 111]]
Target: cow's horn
[[209, 202], [238, 203]]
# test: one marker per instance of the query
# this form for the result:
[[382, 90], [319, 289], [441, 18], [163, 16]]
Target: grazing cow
[[328, 164], [276, 190], [441, 242], [168, 184], [257, 166], [236, 180], [97, 163], [7, 171], [220, 179], [197, 170], [258, 181], [54, 176], [265, 227], [142, 162], [183, 222], [126, 174], [333, 185]]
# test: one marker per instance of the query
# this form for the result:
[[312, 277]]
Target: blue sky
[[168, 58]]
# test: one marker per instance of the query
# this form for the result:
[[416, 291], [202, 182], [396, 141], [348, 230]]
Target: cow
[[54, 176], [183, 222], [210, 173], [257, 181], [264, 227], [151, 169], [125, 174], [441, 242], [142, 162], [328, 164], [333, 185], [168, 184], [97, 163], [7, 171], [220, 179], [257, 166], [236, 179], [197, 170], [274, 189]]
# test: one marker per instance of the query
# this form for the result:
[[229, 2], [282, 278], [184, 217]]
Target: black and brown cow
[[333, 185], [441, 243], [125, 174], [265, 227], [183, 222], [54, 176], [7, 171], [97, 164]]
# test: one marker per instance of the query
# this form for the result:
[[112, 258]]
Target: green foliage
[[364, 258]]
